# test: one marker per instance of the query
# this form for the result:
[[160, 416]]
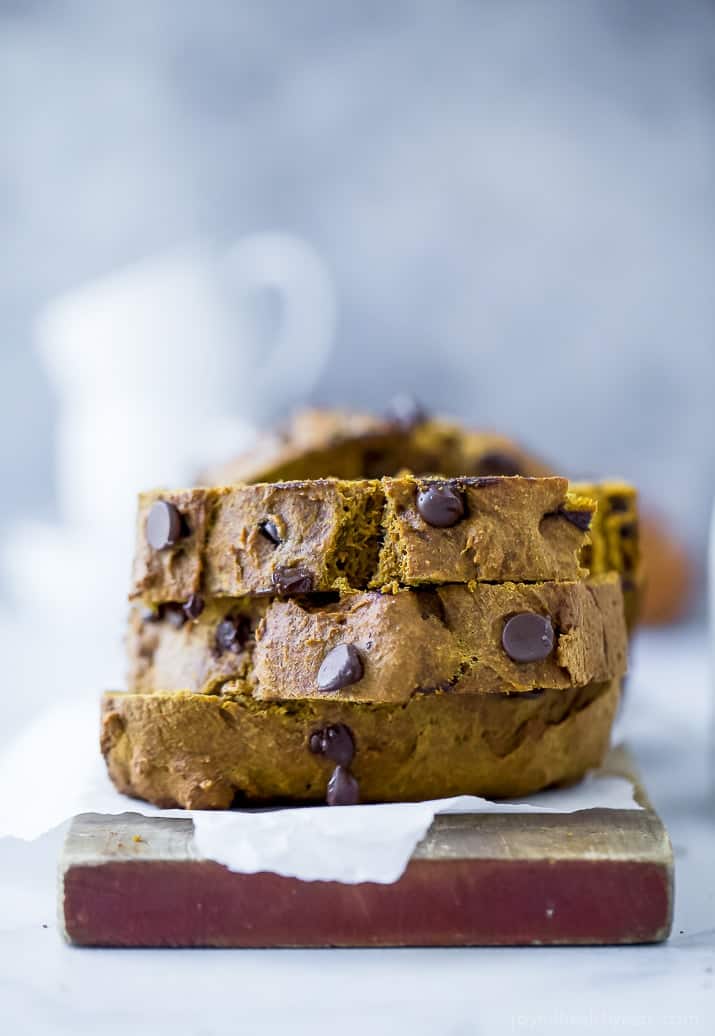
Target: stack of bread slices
[[321, 621]]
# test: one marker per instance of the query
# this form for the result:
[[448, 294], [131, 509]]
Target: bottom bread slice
[[199, 751]]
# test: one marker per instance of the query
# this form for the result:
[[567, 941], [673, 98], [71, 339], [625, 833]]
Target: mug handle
[[304, 334]]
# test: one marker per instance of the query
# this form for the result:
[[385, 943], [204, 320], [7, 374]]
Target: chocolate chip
[[232, 633], [269, 530], [335, 743], [339, 744], [174, 615], [164, 525], [404, 410], [340, 667], [528, 637], [618, 504], [292, 580], [628, 530], [440, 506], [496, 463], [343, 789], [581, 519], [194, 606]]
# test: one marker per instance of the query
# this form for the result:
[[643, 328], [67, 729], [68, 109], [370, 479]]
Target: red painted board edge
[[435, 903]]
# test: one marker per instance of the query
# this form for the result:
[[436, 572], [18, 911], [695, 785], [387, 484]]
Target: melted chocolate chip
[[581, 519], [528, 637], [291, 581], [164, 525], [343, 789], [232, 633], [335, 743], [440, 505], [340, 667], [174, 615], [405, 411], [194, 606], [496, 463], [269, 530]]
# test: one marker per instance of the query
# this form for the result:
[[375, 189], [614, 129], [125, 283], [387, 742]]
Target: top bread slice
[[324, 535]]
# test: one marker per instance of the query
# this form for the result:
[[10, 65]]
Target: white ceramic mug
[[163, 367], [178, 328]]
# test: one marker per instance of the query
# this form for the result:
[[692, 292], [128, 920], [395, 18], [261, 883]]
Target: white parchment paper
[[54, 771]]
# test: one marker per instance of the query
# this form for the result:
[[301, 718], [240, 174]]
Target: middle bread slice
[[370, 646]]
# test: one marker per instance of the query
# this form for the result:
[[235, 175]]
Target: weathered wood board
[[593, 877]]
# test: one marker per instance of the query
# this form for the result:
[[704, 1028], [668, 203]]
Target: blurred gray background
[[515, 199]]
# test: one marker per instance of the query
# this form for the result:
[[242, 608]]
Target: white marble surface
[[48, 987]]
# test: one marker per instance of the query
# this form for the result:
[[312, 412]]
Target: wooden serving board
[[512, 879]]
